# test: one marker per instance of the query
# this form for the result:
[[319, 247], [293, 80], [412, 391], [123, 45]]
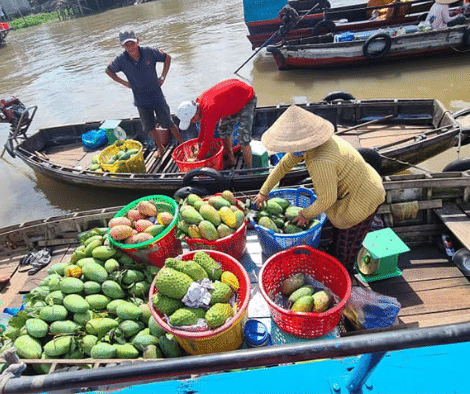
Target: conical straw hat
[[297, 130]]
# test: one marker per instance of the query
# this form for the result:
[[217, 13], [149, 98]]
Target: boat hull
[[297, 54], [418, 130]]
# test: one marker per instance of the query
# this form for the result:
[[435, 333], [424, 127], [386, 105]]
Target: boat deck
[[363, 136], [431, 289]]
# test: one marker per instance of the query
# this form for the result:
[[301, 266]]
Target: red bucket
[[184, 151], [322, 267], [157, 249], [233, 244]]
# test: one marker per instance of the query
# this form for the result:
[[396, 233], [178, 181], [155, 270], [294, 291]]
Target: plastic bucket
[[272, 242], [157, 249], [233, 244], [184, 151], [323, 268], [227, 337]]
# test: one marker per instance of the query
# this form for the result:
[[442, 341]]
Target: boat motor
[[12, 110]]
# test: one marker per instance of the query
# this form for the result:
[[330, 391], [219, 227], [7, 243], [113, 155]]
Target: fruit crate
[[135, 164], [323, 268], [233, 244], [225, 338], [272, 242], [157, 249], [185, 150]]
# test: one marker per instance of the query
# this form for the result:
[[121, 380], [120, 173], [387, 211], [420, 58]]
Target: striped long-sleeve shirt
[[348, 189]]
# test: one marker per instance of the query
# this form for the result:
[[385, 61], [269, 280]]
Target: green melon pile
[[93, 305], [176, 277]]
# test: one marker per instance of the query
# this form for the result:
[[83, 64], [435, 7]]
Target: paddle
[[276, 33]]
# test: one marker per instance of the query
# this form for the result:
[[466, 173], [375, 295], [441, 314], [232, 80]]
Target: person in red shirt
[[224, 105]]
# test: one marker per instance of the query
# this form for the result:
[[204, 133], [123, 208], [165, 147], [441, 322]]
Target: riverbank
[[34, 20]]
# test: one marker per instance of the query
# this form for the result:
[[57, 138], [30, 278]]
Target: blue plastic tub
[[272, 242]]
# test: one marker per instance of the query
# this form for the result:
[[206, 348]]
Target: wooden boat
[[370, 46], [263, 20], [393, 133], [422, 347]]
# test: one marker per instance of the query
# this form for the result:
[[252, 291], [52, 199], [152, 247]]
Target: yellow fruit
[[230, 279], [74, 272]]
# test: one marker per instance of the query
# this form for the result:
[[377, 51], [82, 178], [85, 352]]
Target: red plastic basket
[[233, 244], [184, 151], [224, 338], [322, 267]]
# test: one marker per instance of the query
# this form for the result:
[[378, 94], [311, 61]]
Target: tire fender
[[458, 165], [339, 95], [466, 37], [184, 191], [206, 178], [372, 157], [375, 38], [324, 25]]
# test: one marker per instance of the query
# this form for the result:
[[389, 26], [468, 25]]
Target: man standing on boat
[[139, 66], [224, 105], [348, 189], [439, 15]]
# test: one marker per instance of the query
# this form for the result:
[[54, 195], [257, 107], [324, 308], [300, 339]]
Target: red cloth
[[221, 100]]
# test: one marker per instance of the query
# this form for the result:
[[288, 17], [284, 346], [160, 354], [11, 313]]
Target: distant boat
[[370, 46], [317, 17]]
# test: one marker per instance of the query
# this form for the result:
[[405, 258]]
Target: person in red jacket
[[224, 105]]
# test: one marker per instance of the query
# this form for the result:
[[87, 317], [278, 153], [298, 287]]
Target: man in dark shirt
[[139, 66]]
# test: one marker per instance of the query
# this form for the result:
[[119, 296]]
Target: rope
[[404, 163]]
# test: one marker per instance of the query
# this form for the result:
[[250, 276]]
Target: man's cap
[[127, 36], [186, 111]]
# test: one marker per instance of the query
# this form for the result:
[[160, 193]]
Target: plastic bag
[[368, 309], [94, 138]]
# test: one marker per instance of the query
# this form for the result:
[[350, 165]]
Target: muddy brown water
[[60, 68]]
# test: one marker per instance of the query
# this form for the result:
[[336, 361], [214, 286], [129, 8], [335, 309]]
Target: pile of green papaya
[[95, 305], [278, 215]]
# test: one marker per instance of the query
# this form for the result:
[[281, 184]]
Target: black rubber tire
[[457, 165], [322, 26], [379, 55], [184, 191], [339, 95], [466, 37], [216, 182], [372, 157]]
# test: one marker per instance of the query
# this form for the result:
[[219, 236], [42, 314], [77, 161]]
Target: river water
[[60, 68]]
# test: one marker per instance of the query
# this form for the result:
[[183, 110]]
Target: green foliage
[[33, 20]]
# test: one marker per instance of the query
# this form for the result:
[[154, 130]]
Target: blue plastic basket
[[272, 242]]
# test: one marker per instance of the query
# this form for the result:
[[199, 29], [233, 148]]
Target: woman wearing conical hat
[[348, 189]]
